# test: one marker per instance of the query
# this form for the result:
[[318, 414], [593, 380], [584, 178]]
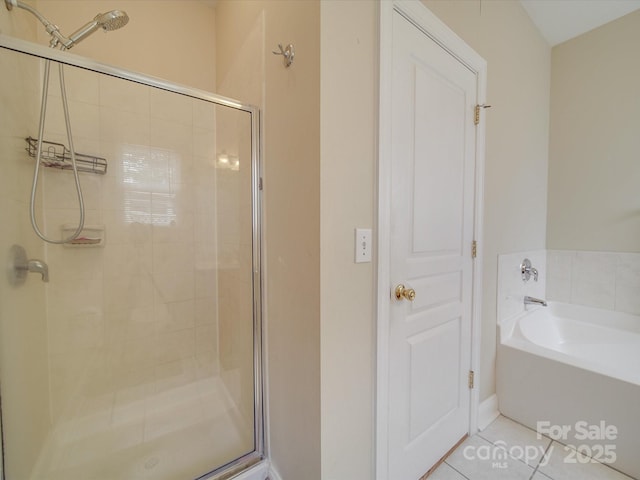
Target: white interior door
[[432, 188]]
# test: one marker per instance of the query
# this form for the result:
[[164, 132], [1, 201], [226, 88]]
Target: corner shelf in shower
[[57, 155]]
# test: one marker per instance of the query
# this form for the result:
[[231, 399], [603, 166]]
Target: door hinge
[[471, 379], [476, 120], [260, 183], [474, 249]]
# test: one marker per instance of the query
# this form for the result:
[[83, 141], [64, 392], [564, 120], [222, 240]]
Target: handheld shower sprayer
[[107, 21]]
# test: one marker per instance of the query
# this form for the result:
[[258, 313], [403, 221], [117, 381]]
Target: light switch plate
[[363, 245]]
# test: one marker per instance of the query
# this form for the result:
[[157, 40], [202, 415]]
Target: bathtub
[[573, 373]]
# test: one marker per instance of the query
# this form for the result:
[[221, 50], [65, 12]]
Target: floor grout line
[[456, 470], [446, 455], [535, 468], [540, 461]]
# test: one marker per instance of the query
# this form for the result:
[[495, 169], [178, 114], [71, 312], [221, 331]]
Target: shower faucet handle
[[19, 266], [527, 270]]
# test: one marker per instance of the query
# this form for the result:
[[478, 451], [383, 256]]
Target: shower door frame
[[260, 453]]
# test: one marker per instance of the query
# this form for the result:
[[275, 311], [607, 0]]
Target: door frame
[[418, 14]]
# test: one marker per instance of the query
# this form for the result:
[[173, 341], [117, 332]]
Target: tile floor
[[538, 459]]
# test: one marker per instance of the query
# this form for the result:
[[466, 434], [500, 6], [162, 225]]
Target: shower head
[[107, 21], [112, 20]]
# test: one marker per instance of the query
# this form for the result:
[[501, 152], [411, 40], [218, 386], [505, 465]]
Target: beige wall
[[289, 98], [153, 42], [594, 171], [348, 149], [517, 141], [240, 53], [292, 199], [21, 26], [159, 40]]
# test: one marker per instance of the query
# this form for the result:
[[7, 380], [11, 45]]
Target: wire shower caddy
[[57, 155]]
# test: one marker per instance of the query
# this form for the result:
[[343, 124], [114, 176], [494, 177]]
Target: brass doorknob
[[407, 293]]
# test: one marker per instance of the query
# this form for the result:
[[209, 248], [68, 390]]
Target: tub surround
[[512, 289], [608, 280]]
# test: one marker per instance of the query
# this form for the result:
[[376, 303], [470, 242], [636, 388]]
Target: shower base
[[164, 428]]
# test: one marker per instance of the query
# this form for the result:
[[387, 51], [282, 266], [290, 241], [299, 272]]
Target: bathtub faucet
[[534, 301], [527, 270]]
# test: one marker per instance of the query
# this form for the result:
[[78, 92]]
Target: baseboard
[[273, 474], [488, 412]]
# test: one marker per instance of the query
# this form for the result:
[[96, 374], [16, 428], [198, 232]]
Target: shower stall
[[141, 356]]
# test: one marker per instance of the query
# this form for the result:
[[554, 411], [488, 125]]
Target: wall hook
[[287, 53]]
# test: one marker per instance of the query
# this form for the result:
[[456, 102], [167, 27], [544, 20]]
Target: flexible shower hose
[[34, 185]]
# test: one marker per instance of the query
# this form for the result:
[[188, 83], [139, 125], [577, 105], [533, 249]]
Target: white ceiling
[[561, 20]]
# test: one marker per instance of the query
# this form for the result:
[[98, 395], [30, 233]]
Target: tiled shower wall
[[142, 308], [234, 263], [595, 279], [23, 328]]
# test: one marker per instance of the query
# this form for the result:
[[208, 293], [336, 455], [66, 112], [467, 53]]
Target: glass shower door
[[140, 358]]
